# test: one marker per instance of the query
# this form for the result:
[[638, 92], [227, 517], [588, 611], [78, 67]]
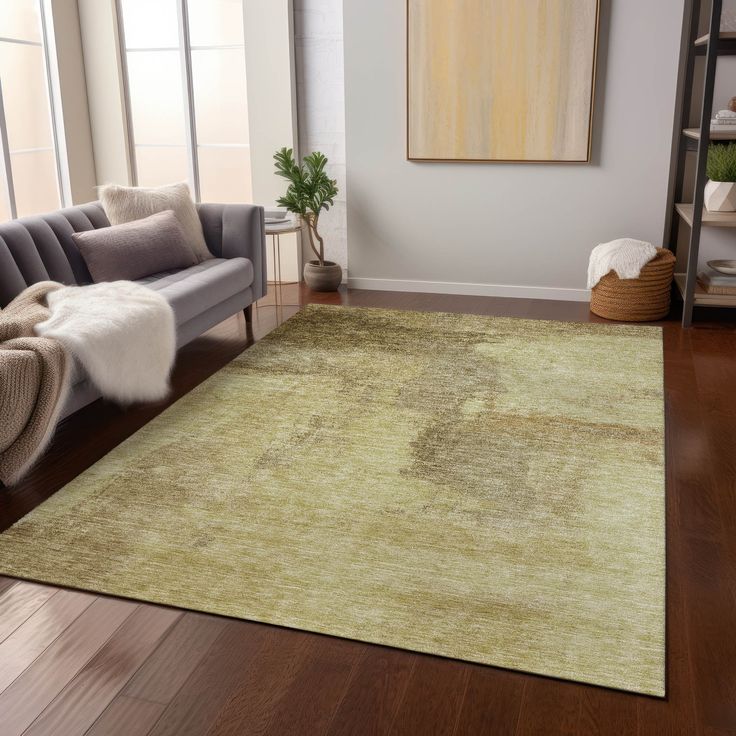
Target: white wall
[[483, 227], [321, 107]]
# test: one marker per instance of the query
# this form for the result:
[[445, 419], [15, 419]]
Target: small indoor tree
[[310, 192]]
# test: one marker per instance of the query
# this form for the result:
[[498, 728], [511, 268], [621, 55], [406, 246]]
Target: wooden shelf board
[[702, 298], [711, 219], [723, 36], [715, 134]]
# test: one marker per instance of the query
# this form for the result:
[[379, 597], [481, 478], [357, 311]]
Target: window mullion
[[190, 123], [55, 110], [130, 133], [5, 164]]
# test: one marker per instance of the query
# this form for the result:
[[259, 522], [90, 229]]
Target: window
[[187, 97], [29, 166]]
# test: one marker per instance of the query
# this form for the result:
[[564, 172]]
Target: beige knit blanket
[[34, 375]]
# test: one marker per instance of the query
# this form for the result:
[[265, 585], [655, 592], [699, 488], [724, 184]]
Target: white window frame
[[48, 46], [190, 130]]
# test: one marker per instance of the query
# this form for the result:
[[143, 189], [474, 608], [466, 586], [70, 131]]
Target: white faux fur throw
[[122, 334], [624, 256]]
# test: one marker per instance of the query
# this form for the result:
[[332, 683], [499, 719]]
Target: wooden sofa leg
[[248, 311]]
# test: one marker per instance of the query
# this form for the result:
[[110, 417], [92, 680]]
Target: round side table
[[275, 230]]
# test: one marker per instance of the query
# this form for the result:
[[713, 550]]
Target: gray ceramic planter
[[322, 278]]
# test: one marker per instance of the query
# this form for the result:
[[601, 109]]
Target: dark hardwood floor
[[76, 663]]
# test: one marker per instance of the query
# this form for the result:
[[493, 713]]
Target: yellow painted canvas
[[501, 80]]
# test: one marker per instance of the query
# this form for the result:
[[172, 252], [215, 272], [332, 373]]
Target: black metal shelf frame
[[711, 47]]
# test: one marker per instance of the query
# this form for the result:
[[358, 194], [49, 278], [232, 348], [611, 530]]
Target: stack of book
[[719, 287], [724, 121]]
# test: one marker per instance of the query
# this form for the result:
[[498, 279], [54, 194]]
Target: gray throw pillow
[[125, 204], [136, 249]]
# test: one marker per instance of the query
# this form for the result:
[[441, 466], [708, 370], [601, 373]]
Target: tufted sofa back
[[40, 248]]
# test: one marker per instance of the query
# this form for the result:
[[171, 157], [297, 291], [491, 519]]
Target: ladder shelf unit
[[693, 214]]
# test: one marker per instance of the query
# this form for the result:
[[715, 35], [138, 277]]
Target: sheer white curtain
[[188, 102], [29, 175]]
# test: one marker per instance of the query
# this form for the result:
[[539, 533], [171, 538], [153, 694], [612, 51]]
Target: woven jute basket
[[636, 300]]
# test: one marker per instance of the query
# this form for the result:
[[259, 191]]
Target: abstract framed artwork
[[501, 80]]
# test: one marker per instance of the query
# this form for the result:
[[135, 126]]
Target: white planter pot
[[720, 196]]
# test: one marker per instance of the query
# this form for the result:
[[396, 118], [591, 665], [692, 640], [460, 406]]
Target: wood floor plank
[[608, 713], [260, 690], [712, 634], [374, 693], [695, 508], [433, 699], [549, 708], [721, 433], [30, 639], [196, 706], [127, 716], [712, 614], [492, 702], [19, 603], [676, 715], [5, 584], [87, 695], [303, 709], [28, 696], [164, 673], [704, 563], [715, 374]]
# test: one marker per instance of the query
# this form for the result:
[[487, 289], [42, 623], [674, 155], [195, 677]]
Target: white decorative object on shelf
[[726, 267], [720, 196], [275, 214], [726, 116]]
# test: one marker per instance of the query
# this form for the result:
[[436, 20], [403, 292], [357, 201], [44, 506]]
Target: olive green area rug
[[485, 489]]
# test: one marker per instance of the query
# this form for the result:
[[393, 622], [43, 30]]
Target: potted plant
[[310, 191], [720, 191]]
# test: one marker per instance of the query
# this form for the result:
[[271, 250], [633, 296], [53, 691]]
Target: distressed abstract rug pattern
[[484, 489]]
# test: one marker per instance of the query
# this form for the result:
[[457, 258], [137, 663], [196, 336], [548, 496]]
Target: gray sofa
[[41, 248]]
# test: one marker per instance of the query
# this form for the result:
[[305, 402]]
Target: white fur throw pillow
[[125, 204]]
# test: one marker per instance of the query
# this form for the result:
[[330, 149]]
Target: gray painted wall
[[478, 226], [321, 107]]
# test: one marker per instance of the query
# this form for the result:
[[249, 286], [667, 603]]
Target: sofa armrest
[[233, 230]]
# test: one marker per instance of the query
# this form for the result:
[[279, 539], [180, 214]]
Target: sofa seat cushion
[[194, 290]]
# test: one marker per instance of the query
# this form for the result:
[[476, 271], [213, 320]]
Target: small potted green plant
[[720, 191], [310, 192]]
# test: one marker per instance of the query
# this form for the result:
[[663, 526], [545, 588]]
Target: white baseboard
[[459, 287]]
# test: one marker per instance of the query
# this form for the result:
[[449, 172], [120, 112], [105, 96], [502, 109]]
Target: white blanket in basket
[[625, 256]]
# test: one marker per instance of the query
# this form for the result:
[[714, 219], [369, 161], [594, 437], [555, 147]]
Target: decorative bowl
[[728, 267]]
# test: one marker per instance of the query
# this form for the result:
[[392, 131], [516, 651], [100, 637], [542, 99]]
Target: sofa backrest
[[40, 248]]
